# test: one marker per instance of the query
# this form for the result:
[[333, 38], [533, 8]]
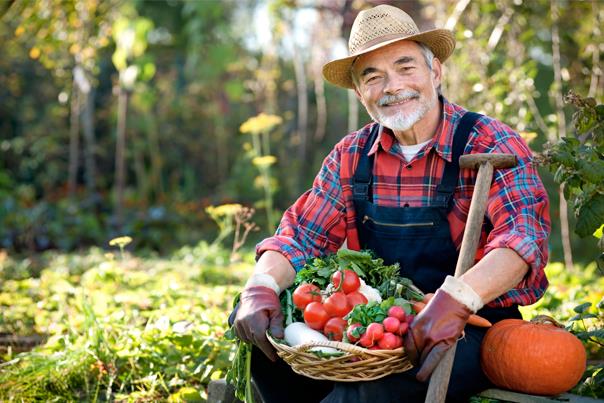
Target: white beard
[[402, 121]]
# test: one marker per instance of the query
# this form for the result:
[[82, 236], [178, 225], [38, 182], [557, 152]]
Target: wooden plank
[[516, 397]]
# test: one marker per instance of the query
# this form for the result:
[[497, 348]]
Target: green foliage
[[578, 163], [588, 325], [118, 329]]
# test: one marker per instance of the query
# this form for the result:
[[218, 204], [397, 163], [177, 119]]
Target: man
[[395, 186]]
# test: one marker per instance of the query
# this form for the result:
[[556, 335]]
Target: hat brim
[[441, 41]]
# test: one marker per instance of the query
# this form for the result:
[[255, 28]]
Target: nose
[[393, 85]]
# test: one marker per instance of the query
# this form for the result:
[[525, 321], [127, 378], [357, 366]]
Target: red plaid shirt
[[323, 218]]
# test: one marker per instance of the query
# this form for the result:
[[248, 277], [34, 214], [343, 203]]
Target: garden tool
[[486, 163]]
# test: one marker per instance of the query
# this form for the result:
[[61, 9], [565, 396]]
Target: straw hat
[[381, 26]]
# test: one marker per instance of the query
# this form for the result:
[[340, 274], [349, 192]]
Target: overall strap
[[446, 188], [361, 181]]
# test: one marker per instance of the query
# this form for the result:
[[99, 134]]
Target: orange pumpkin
[[537, 357]]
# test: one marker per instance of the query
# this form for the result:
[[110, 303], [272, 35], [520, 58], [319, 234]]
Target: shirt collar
[[441, 142]]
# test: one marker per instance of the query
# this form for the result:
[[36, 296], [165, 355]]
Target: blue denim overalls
[[418, 238]]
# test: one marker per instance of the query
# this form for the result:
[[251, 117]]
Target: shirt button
[[409, 166]]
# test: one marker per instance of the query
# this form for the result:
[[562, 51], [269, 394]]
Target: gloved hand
[[259, 309], [439, 325]]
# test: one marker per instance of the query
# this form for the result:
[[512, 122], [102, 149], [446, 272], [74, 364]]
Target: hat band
[[380, 39]]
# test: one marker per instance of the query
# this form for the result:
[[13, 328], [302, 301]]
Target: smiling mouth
[[398, 103]]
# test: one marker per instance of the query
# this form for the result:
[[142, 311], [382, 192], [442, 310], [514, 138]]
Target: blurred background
[[124, 117], [146, 146]]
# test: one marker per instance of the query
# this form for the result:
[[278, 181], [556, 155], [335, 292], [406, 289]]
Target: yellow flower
[[265, 161], [528, 136], [120, 241], [224, 210], [260, 123], [34, 53]]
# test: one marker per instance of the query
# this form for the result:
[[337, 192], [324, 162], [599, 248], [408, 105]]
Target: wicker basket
[[355, 364]]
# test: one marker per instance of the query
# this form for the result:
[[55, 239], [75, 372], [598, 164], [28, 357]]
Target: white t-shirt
[[410, 151]]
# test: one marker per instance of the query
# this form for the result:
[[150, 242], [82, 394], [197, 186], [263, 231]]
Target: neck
[[423, 130]]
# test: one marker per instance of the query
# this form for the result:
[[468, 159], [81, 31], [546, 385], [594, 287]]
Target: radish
[[299, 333], [375, 331], [398, 312], [391, 324], [388, 341]]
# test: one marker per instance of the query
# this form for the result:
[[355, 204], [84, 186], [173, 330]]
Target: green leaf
[[575, 318], [582, 308], [591, 215], [597, 333]]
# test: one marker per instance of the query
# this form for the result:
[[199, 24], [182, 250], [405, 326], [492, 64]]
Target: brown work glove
[[434, 331], [259, 309]]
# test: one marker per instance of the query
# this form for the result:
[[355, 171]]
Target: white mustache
[[401, 96]]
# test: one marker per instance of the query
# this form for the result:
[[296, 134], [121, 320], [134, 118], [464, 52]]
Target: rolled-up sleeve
[[315, 224], [518, 208]]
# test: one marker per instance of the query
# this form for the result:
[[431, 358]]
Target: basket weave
[[355, 364]]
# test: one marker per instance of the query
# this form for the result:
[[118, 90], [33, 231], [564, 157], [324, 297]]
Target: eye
[[371, 79]]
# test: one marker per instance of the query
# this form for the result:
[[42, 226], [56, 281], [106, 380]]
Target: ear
[[436, 72]]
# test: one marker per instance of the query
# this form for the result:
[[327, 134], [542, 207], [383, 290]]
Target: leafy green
[[240, 375], [365, 314]]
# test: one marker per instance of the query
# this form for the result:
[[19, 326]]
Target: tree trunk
[[353, 112], [155, 156], [222, 147], [141, 172], [302, 88], [557, 92], [120, 157], [596, 70], [88, 130], [74, 141], [321, 107]]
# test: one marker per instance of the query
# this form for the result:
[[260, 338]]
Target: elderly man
[[395, 186]]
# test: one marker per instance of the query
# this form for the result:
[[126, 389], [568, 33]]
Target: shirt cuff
[[286, 248]]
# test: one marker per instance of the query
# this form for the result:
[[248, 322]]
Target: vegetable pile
[[350, 297]]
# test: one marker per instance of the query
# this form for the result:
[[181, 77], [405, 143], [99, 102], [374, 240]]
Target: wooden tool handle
[[439, 380]]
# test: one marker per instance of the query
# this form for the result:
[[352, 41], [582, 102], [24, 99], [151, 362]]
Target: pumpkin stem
[[546, 319]]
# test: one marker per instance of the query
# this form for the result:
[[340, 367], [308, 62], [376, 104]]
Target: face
[[396, 86]]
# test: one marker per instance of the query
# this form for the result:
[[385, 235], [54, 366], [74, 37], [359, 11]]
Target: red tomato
[[388, 341], [409, 319], [337, 305], [305, 294], [334, 328], [351, 280], [351, 335], [391, 324], [356, 298], [397, 311], [315, 315], [375, 331]]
